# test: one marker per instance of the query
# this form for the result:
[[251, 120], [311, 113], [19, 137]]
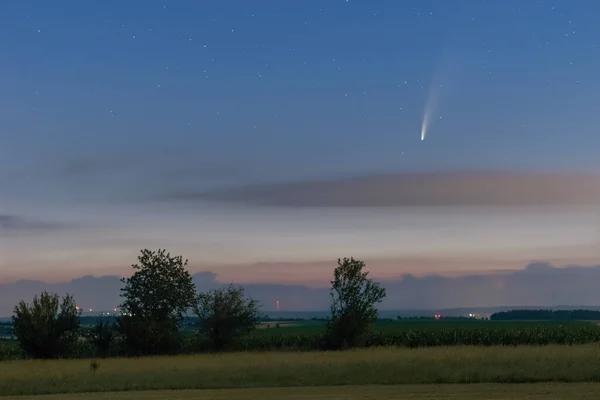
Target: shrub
[[46, 328], [225, 316], [101, 337]]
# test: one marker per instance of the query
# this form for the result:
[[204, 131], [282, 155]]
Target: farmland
[[299, 327], [427, 357], [376, 366], [432, 356], [307, 335]]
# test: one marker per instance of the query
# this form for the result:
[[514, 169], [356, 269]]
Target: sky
[[263, 140]]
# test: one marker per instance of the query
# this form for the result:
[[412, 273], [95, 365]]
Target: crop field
[[308, 335], [416, 333], [377, 366], [428, 358], [391, 326]]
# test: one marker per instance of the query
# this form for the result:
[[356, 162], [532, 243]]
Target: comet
[[424, 124], [447, 70], [430, 107], [442, 73]]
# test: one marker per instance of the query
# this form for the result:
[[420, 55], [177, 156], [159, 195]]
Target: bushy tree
[[225, 315], [101, 336], [157, 296], [48, 327], [353, 299]]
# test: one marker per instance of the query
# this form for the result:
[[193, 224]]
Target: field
[[427, 358], [308, 336], [536, 391], [377, 366], [304, 327]]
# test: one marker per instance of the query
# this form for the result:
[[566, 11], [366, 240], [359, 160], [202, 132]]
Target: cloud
[[539, 284], [460, 188], [126, 177], [15, 224]]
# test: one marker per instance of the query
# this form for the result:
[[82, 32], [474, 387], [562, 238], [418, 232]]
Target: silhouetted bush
[[46, 328], [225, 316], [102, 337]]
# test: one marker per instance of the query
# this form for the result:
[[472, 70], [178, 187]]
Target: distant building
[[479, 315], [95, 313]]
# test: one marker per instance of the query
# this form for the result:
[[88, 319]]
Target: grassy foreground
[[535, 391], [377, 366]]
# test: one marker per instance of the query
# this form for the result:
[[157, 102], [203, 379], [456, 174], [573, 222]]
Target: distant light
[[115, 310], [90, 310]]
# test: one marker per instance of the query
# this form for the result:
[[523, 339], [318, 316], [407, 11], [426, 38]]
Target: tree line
[[546, 315], [160, 294]]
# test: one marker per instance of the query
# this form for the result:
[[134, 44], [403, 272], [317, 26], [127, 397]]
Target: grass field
[[537, 391], [377, 366]]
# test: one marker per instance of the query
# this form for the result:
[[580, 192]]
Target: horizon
[[514, 288]]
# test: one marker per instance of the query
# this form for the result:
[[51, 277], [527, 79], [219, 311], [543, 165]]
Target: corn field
[[455, 336], [285, 340]]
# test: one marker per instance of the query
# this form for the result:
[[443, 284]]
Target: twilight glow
[[261, 142]]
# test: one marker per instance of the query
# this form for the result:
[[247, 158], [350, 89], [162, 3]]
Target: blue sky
[[109, 108]]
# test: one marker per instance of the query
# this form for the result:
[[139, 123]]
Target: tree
[[225, 315], [353, 299], [102, 337], [48, 327], [157, 296]]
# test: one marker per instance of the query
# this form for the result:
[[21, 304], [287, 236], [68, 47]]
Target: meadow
[[375, 366]]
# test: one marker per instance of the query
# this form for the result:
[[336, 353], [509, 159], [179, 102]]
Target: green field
[[377, 366], [311, 327], [536, 391], [308, 335], [427, 358]]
